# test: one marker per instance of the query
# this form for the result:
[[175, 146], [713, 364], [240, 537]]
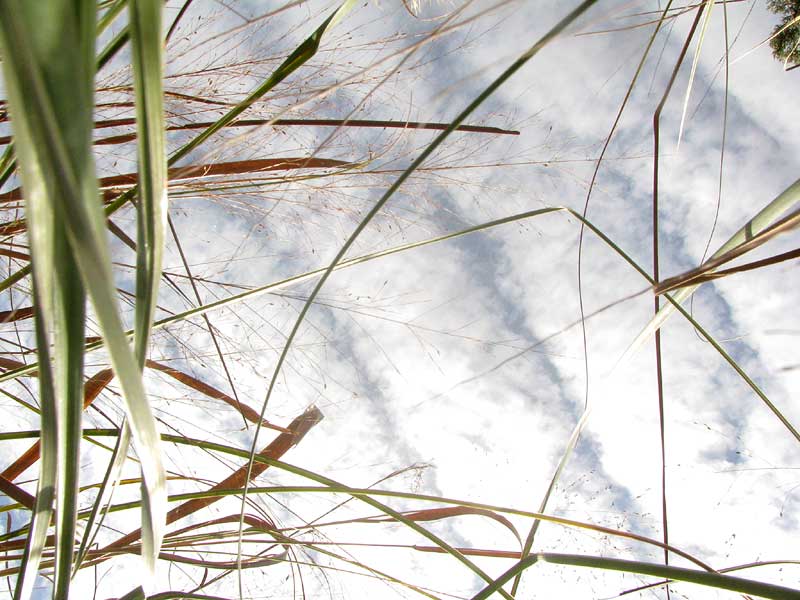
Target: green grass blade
[[34, 75], [103, 500], [145, 24], [556, 30], [48, 468], [66, 171], [716, 580], [148, 59], [68, 354], [112, 12], [765, 217], [707, 10]]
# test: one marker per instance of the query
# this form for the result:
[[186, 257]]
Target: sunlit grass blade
[[702, 277], [57, 158], [707, 10], [707, 270], [34, 77], [148, 66], [716, 580], [785, 201], [102, 502], [145, 25]]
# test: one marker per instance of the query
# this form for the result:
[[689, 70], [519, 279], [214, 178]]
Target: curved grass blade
[[144, 22], [785, 201], [271, 287], [716, 580], [462, 116], [575, 435]]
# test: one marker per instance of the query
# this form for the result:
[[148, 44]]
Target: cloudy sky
[[461, 367]]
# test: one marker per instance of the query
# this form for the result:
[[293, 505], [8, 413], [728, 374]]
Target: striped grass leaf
[[35, 75], [51, 99], [147, 58]]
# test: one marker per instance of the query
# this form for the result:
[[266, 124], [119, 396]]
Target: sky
[[461, 368]]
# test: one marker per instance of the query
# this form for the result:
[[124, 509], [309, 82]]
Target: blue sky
[[465, 359]]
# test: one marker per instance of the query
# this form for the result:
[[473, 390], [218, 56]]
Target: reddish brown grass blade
[[10, 363], [128, 137], [236, 167], [18, 314], [275, 450], [91, 390], [15, 492], [434, 514], [212, 392], [14, 254]]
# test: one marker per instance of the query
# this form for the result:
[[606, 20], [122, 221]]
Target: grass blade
[[147, 58], [786, 200], [54, 113], [34, 77], [716, 580]]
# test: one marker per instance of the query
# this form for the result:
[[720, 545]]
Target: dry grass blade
[[112, 184], [706, 271], [367, 123], [92, 389], [434, 514], [13, 491], [296, 431], [785, 201], [212, 392]]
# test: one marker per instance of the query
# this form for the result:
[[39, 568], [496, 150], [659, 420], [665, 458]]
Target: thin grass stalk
[[656, 262], [511, 70], [578, 429], [206, 319]]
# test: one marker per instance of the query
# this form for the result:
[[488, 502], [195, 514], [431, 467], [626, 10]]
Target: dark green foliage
[[786, 43]]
